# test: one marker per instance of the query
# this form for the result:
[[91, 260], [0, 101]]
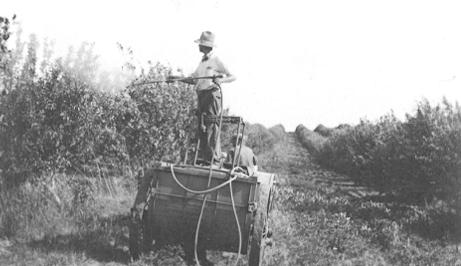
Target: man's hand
[[202, 124], [217, 81], [172, 78], [187, 80]]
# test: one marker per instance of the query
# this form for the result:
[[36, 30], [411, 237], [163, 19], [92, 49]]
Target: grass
[[315, 224], [87, 224], [312, 224]]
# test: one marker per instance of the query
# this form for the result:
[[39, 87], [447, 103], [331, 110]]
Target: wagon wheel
[[260, 225], [257, 242], [135, 234], [140, 240]]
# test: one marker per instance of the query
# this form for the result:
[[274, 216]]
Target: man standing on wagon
[[209, 95]]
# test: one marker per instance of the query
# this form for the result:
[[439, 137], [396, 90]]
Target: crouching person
[[246, 159]]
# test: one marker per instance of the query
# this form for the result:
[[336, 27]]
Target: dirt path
[[323, 218], [309, 220]]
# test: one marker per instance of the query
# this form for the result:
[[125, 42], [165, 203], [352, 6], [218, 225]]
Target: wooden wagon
[[171, 211]]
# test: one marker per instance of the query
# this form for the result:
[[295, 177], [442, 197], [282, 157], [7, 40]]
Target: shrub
[[417, 159], [57, 119], [5, 33], [259, 138], [165, 121], [278, 131], [323, 130], [48, 125], [309, 139], [59, 123]]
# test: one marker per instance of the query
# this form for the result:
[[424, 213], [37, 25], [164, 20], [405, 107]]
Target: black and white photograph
[[230, 132]]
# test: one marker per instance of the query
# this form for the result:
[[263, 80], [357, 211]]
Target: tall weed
[[47, 207]]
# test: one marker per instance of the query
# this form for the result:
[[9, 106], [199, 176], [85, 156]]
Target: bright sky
[[296, 62]]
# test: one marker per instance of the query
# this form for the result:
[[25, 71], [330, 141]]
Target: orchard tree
[[4, 33], [29, 69], [5, 53]]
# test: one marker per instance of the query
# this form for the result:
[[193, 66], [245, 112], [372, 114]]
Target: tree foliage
[[5, 33], [54, 117], [260, 139], [5, 53], [418, 159]]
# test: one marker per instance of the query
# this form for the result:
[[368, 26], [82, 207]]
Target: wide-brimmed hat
[[206, 39]]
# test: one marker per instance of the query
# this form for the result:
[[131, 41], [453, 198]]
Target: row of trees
[[56, 116], [418, 159]]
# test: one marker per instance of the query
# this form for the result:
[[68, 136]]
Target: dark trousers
[[209, 103]]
